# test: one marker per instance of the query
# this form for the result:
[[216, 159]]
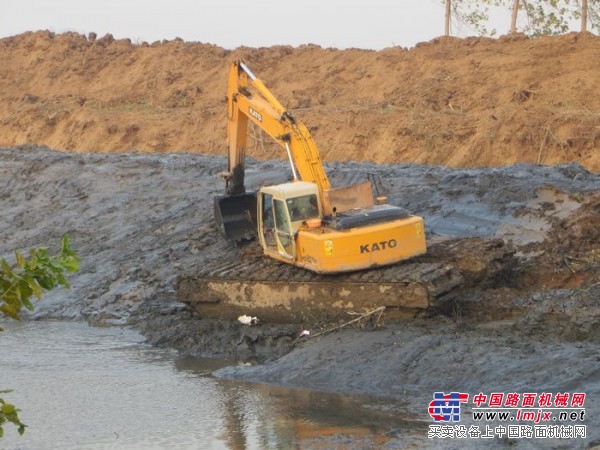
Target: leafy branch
[[9, 413], [30, 277]]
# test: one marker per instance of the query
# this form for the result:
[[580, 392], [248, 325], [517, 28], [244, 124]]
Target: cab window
[[303, 207]]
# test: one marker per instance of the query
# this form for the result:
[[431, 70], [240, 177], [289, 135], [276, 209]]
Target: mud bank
[[140, 220]]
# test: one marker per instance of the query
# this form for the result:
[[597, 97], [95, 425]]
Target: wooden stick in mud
[[362, 316]]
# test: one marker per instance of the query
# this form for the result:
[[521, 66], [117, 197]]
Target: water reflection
[[82, 387], [262, 416]]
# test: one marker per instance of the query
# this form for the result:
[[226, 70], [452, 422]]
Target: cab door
[[284, 234], [266, 222]]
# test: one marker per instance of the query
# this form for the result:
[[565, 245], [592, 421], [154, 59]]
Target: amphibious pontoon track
[[276, 292]]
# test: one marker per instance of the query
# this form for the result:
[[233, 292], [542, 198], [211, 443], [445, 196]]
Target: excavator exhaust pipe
[[235, 216]]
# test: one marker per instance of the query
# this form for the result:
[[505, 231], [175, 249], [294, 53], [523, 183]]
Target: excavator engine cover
[[235, 216]]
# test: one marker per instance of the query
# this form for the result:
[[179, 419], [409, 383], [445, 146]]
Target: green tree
[[547, 17], [544, 17], [474, 13], [19, 283], [557, 15]]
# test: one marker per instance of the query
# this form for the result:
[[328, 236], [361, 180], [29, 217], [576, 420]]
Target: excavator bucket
[[235, 216]]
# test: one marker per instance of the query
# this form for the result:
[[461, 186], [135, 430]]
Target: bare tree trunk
[[513, 19], [584, 15], [448, 15]]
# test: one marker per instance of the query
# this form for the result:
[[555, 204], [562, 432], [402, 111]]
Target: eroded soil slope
[[458, 102]]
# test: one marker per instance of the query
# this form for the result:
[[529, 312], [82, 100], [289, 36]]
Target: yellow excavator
[[335, 233], [305, 222]]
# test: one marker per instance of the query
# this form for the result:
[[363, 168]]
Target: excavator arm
[[248, 99]]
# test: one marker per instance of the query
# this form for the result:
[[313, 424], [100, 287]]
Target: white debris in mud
[[247, 320]]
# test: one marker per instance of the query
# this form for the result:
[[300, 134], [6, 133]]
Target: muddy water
[[82, 387]]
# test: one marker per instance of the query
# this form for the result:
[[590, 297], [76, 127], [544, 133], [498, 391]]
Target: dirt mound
[[459, 102]]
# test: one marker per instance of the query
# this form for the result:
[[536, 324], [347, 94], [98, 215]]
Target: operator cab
[[282, 211]]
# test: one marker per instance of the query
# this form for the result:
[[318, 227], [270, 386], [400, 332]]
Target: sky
[[371, 24]]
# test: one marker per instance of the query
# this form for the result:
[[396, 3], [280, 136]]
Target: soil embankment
[[457, 102]]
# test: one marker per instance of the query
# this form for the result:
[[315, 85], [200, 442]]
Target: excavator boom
[[249, 100], [264, 110]]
